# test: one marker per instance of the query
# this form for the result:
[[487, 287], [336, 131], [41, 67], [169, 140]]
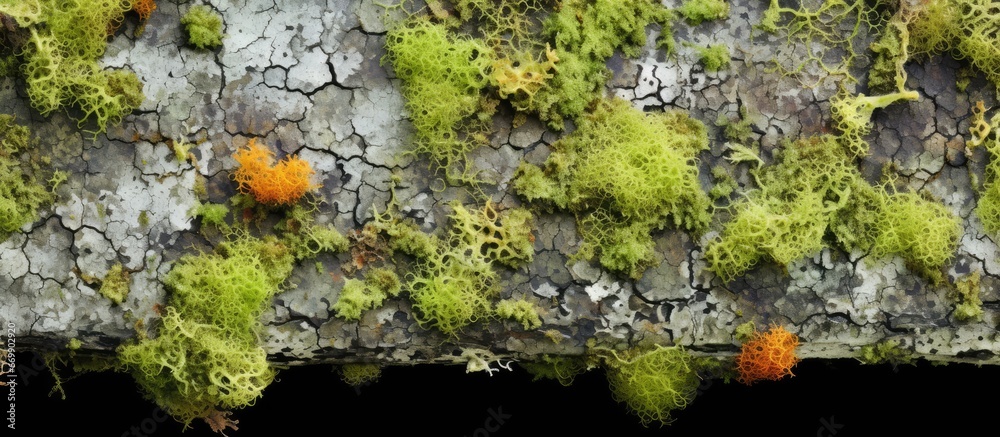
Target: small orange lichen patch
[[768, 355], [273, 184], [144, 8]]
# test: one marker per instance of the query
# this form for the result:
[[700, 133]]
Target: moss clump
[[203, 27], [357, 375], [206, 357], [968, 305], [885, 352], [697, 11], [520, 311], [924, 233], [787, 216], [357, 296], [21, 195], [655, 181], [442, 76], [305, 238], [115, 286], [563, 369], [212, 214], [62, 41], [454, 283], [852, 116], [654, 382], [813, 189], [585, 34], [714, 57]]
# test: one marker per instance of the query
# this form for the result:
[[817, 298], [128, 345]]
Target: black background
[[444, 401]]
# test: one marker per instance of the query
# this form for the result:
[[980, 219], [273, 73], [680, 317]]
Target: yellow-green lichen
[[206, 356], [203, 27], [115, 285], [655, 183], [357, 296], [21, 194], [968, 304], [358, 374], [62, 42], [653, 382], [522, 311], [884, 352]]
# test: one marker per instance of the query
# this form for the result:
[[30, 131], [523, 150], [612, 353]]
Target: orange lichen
[[272, 184], [768, 355], [144, 8]]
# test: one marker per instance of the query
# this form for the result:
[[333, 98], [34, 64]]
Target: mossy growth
[[521, 311], [883, 352], [358, 374], [787, 216], [923, 232], [739, 131], [968, 305], [563, 369], [985, 133], [814, 189], [852, 116], [206, 357], [212, 214], [821, 26], [584, 35], [697, 11], [115, 285], [655, 184], [62, 42], [204, 27], [305, 238], [357, 296], [442, 76], [21, 193], [714, 57], [653, 382], [454, 281]]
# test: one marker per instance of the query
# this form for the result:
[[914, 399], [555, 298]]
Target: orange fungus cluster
[[768, 355], [144, 8], [273, 184]]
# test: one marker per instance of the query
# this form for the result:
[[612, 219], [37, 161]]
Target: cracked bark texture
[[306, 76]]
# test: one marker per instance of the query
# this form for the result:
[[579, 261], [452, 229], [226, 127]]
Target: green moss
[[739, 131], [212, 214], [21, 195], [968, 305], [714, 57], [787, 216], [885, 352], [64, 41], [442, 77], [206, 356], [203, 27], [74, 344], [585, 34], [852, 116], [563, 369], [502, 236], [653, 383], [744, 332], [115, 285], [405, 237], [697, 11], [357, 375], [887, 74], [924, 233], [357, 296], [724, 184], [305, 239], [655, 183], [520, 311]]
